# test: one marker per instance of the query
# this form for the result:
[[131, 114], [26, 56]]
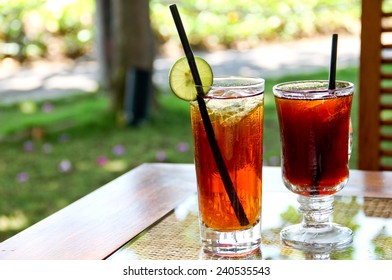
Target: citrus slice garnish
[[181, 81]]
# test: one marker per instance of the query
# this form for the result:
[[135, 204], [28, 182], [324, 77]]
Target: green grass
[[47, 189], [80, 131], [64, 113]]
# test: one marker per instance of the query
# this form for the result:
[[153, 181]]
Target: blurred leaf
[[28, 107], [291, 215]]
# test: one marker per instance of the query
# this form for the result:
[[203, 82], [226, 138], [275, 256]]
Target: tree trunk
[[131, 56], [104, 41]]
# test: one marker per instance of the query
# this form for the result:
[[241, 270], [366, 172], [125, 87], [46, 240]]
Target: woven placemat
[[378, 207], [176, 238], [169, 237]]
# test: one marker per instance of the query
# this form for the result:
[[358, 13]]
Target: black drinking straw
[[227, 182], [332, 66], [331, 89]]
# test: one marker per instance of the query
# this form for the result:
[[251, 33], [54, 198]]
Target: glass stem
[[316, 211]]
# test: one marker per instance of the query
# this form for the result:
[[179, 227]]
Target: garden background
[[54, 151]]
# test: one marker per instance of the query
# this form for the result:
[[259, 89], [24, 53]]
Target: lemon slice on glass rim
[[181, 81]]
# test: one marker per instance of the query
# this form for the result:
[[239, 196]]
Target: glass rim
[[234, 82], [290, 87], [242, 87], [299, 88]]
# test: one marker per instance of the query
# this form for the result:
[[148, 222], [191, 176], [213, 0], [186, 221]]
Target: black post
[[138, 93]]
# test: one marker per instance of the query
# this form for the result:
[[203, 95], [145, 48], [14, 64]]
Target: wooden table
[[136, 215]]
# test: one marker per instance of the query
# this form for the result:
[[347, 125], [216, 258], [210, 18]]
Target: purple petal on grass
[[65, 166], [47, 107], [22, 177], [182, 147], [101, 161], [118, 150], [28, 146], [161, 156]]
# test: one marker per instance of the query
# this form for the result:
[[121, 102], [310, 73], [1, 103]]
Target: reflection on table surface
[[176, 236]]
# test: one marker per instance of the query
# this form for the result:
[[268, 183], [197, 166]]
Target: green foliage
[[30, 29], [35, 29], [226, 22]]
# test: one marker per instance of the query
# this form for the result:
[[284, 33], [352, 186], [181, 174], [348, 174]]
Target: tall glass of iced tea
[[230, 216], [315, 143]]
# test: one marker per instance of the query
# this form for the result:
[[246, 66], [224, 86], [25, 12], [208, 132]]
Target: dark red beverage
[[314, 129]]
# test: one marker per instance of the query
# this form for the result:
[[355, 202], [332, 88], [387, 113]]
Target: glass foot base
[[326, 238], [254, 255], [231, 244]]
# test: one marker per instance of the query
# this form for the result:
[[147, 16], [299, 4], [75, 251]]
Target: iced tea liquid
[[315, 142], [237, 121]]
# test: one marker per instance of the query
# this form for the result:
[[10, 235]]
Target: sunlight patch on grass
[[116, 166], [15, 221]]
